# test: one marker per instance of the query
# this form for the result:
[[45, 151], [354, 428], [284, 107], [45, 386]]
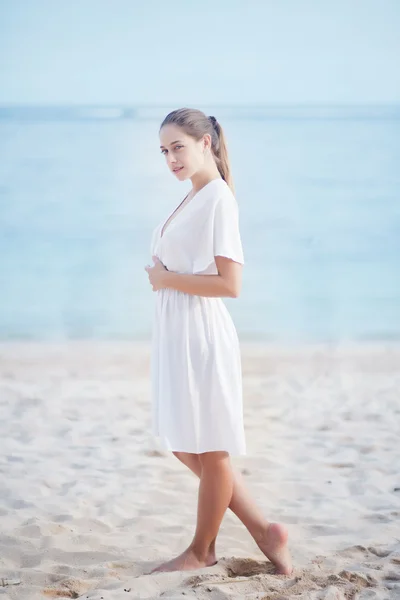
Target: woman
[[196, 365]]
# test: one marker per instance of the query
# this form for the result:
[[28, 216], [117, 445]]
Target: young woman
[[196, 365]]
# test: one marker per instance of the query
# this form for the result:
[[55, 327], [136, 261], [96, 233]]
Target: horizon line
[[219, 105]]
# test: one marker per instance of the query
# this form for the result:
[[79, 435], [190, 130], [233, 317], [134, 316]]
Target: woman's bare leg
[[215, 492], [271, 538], [193, 462]]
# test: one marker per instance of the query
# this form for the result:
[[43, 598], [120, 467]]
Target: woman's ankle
[[200, 551], [259, 532], [211, 549]]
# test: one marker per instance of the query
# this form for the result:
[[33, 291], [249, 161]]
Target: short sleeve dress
[[196, 377]]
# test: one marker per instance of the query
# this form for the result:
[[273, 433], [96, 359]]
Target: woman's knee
[[190, 460], [213, 458], [183, 456]]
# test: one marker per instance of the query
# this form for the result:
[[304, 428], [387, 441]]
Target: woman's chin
[[182, 175]]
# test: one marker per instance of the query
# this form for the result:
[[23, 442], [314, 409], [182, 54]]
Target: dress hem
[[230, 451]]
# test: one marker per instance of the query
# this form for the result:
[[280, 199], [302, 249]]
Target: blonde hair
[[196, 124]]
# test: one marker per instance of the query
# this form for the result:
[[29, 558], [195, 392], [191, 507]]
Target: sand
[[89, 503]]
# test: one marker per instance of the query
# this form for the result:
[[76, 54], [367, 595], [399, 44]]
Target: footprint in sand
[[247, 567]]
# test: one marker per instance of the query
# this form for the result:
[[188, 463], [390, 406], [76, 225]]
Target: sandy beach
[[89, 503]]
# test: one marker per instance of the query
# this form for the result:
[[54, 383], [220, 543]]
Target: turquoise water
[[319, 196]]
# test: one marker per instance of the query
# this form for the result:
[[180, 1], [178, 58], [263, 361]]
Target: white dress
[[196, 376]]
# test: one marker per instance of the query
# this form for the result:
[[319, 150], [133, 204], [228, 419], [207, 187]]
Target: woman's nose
[[172, 158]]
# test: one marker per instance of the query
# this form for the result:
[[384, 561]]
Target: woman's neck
[[199, 180]]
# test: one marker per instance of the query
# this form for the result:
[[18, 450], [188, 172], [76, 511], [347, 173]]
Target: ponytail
[[220, 152]]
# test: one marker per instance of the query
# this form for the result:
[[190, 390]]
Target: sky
[[199, 52]]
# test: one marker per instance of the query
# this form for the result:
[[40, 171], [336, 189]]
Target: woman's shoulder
[[224, 198], [221, 192]]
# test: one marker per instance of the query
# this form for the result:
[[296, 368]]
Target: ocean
[[81, 189]]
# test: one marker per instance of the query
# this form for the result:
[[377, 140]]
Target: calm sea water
[[319, 196]]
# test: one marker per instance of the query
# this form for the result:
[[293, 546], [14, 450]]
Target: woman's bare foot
[[272, 541], [187, 561]]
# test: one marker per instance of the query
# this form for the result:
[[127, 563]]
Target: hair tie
[[213, 121]]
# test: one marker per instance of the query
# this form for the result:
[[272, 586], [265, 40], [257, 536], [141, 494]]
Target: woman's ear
[[207, 141]]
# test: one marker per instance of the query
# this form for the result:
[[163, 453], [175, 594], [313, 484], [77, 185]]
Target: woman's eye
[[176, 148]]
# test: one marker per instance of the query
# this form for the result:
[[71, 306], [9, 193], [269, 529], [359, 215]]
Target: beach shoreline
[[91, 502]]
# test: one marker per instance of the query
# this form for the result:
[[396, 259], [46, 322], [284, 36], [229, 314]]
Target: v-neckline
[[166, 224]]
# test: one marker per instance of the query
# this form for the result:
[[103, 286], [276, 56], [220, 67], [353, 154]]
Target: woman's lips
[[177, 170]]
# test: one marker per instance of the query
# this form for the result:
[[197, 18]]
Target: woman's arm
[[227, 283], [197, 285]]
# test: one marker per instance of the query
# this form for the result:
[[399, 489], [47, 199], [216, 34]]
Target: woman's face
[[184, 155]]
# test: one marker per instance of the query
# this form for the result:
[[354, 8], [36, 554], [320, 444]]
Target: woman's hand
[[157, 274]]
